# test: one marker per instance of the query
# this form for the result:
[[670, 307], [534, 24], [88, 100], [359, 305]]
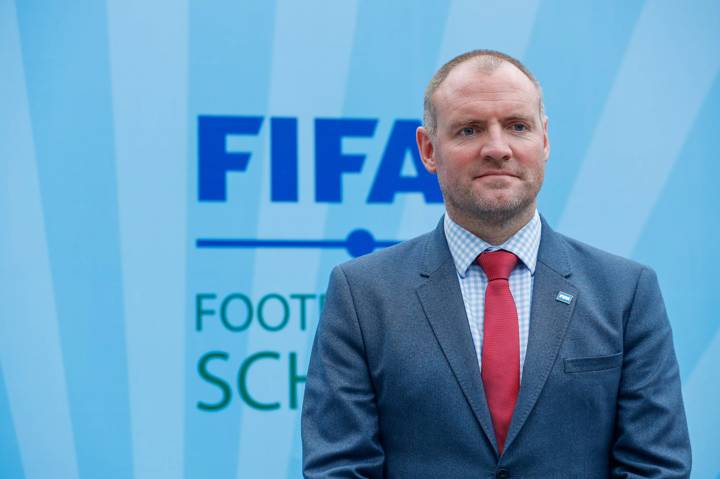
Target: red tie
[[501, 346]]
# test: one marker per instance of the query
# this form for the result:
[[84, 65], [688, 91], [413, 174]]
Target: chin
[[502, 211]]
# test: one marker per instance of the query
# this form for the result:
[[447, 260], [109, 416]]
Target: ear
[[546, 139], [426, 149]]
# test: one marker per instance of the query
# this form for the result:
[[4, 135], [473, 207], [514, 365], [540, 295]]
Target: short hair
[[491, 60]]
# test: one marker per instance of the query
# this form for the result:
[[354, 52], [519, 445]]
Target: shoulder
[[570, 256], [581, 253], [389, 263], [607, 275], [378, 282]]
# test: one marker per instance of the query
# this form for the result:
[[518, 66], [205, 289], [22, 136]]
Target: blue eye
[[467, 131], [519, 127]]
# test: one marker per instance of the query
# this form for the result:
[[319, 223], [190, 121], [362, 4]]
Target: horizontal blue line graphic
[[255, 243], [358, 243]]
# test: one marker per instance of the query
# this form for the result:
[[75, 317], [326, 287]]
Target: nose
[[496, 148]]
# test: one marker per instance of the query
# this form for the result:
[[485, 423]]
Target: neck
[[495, 231]]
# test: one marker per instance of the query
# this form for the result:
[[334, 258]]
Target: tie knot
[[497, 264]]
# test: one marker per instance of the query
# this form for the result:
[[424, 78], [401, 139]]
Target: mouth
[[490, 174]]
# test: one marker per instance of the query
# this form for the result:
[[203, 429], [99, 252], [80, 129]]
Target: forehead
[[470, 86]]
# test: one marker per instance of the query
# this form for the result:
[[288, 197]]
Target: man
[[493, 346]]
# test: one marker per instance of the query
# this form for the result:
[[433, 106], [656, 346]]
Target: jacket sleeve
[[651, 435], [339, 423]]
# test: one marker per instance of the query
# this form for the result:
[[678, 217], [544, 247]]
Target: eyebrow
[[527, 118], [513, 117]]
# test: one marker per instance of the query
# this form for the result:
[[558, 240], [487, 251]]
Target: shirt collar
[[465, 246]]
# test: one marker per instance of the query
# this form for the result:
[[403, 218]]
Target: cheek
[[463, 151], [449, 167], [442, 176], [533, 160]]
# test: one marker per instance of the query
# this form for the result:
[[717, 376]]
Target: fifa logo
[[215, 162]]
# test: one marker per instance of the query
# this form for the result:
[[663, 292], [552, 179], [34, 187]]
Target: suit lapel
[[549, 319], [442, 302]]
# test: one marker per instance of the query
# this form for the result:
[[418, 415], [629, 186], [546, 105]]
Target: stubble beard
[[471, 207]]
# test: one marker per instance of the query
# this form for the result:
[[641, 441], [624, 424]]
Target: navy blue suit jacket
[[394, 390]]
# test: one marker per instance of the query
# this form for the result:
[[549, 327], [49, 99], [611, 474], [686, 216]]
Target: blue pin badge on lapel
[[564, 297]]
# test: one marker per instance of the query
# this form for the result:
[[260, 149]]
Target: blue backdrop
[[178, 178]]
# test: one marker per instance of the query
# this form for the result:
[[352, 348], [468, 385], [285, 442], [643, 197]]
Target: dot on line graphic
[[359, 242]]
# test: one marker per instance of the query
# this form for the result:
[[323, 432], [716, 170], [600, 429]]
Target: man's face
[[490, 144]]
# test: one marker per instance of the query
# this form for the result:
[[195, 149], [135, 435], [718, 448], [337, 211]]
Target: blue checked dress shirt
[[465, 247]]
